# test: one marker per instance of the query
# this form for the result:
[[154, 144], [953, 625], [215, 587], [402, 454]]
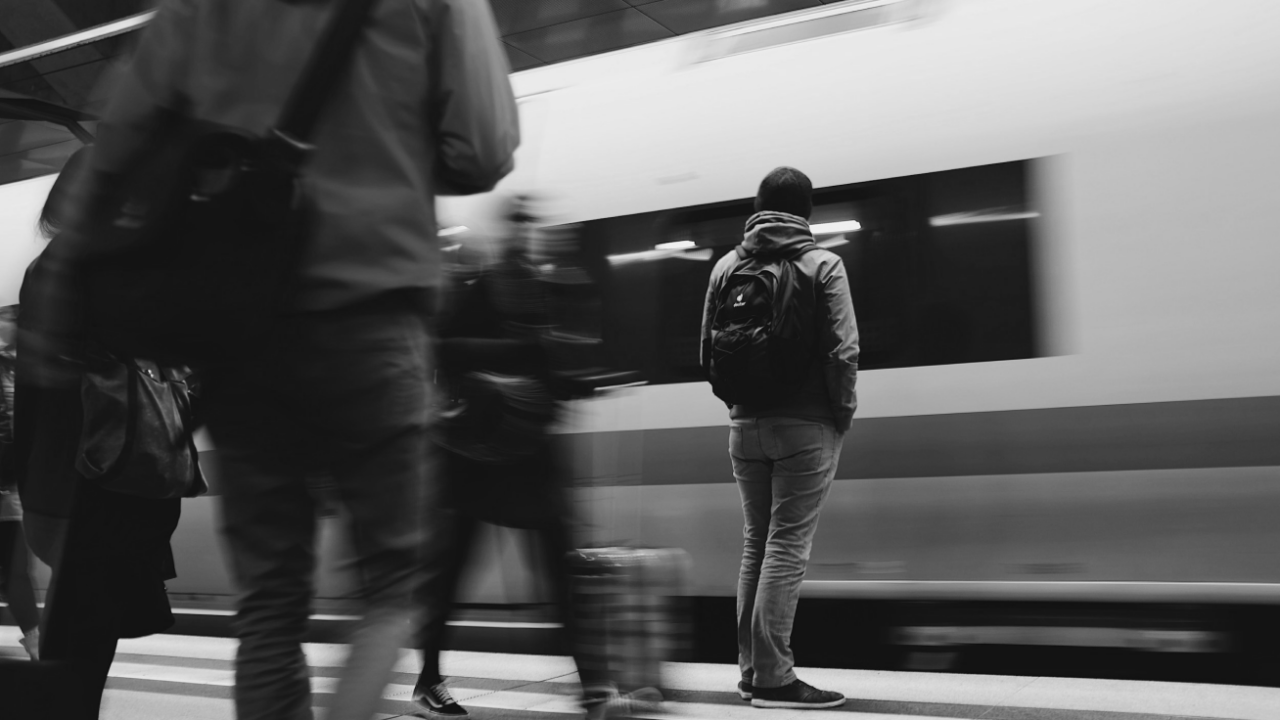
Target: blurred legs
[[341, 394]]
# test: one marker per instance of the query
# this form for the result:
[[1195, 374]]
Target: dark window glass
[[940, 271]]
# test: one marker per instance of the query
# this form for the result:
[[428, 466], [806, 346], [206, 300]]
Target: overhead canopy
[[53, 53], [37, 136], [15, 106]]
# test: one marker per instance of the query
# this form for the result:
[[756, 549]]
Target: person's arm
[[708, 314], [839, 343], [474, 109]]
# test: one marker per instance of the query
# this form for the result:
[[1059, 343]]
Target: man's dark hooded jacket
[[828, 393]]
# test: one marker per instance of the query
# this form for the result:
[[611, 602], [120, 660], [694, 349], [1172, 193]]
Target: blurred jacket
[[829, 391], [10, 504], [46, 423], [389, 140]]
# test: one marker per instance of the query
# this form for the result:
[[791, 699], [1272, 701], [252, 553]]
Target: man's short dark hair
[[787, 190]]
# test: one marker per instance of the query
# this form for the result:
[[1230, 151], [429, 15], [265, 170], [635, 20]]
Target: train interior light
[[677, 245], [835, 228]]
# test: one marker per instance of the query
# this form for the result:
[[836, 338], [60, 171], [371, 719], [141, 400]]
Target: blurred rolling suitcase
[[631, 616]]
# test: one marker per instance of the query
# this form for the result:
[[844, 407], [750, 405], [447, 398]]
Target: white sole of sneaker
[[432, 712], [428, 712], [744, 695], [791, 704]]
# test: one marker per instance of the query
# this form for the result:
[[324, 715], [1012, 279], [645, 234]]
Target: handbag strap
[[327, 60]]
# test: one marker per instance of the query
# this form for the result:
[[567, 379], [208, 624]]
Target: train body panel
[[1131, 446], [1154, 170]]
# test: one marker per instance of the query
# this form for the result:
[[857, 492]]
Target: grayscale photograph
[[639, 359]]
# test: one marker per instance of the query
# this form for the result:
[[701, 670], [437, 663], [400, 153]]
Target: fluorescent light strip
[[624, 258], [649, 255], [973, 218], [455, 230], [833, 228], [677, 245], [806, 16], [76, 39]]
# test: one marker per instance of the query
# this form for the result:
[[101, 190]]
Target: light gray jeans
[[784, 468]]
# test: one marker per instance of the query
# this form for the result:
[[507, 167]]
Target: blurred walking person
[[15, 567], [497, 460], [780, 344], [109, 551], [340, 389]]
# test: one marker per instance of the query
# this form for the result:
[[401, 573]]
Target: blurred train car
[[1059, 223]]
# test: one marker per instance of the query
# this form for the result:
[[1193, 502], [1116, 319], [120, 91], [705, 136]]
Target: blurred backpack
[[762, 330]]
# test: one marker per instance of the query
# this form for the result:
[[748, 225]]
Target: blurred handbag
[[189, 257], [495, 418], [137, 437]]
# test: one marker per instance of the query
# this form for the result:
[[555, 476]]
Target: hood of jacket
[[771, 232]]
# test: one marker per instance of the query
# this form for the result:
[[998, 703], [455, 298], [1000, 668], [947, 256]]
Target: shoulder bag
[[137, 437]]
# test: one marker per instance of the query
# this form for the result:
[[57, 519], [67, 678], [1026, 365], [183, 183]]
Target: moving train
[[1059, 220]]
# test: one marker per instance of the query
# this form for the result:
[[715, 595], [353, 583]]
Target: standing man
[[780, 345], [423, 107]]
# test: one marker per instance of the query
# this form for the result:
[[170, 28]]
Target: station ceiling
[[534, 33]]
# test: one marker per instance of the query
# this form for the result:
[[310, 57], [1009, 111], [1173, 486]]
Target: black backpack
[[762, 331]]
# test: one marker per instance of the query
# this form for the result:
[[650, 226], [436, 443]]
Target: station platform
[[190, 678]]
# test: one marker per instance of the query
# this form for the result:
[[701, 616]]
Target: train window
[[939, 266]]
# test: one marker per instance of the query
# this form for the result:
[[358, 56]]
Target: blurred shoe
[[646, 700], [436, 700], [31, 641], [744, 689], [796, 694], [604, 701]]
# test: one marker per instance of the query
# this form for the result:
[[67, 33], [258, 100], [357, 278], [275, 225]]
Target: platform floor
[[190, 678]]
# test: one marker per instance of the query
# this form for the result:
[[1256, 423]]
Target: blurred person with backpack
[[355, 115], [780, 347], [15, 568]]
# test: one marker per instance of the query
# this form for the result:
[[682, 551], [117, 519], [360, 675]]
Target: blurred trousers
[[342, 395], [108, 584], [784, 468], [528, 497]]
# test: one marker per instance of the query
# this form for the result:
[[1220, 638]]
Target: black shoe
[[744, 689], [797, 694], [436, 700]]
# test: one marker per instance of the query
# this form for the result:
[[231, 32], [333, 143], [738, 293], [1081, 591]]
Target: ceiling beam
[[65, 71]]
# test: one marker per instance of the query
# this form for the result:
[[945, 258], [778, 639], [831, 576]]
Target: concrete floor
[[190, 678]]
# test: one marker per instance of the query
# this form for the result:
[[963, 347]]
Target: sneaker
[[796, 694], [744, 689], [31, 641], [436, 700]]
